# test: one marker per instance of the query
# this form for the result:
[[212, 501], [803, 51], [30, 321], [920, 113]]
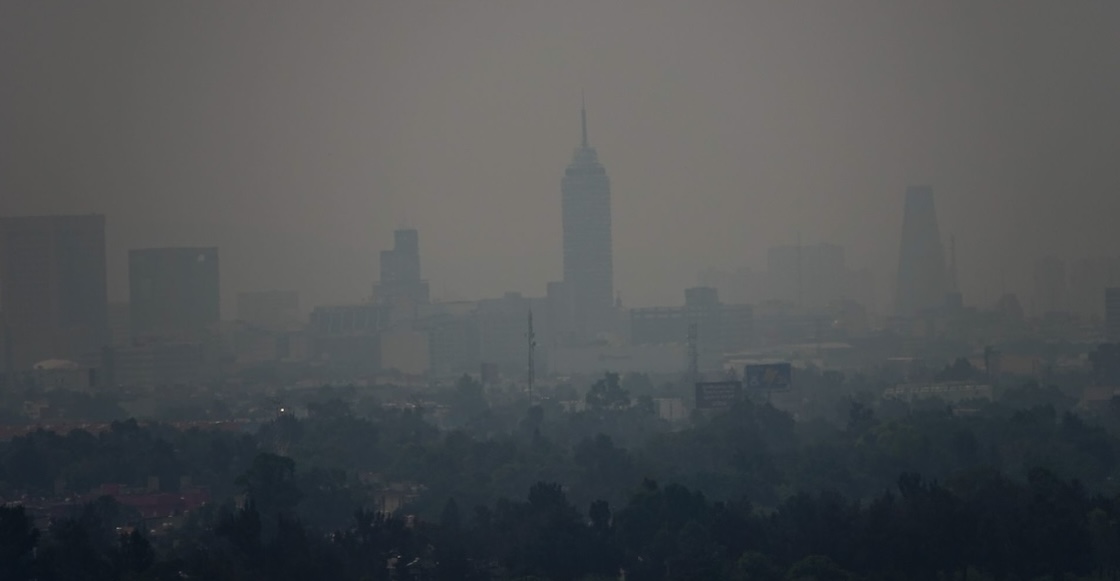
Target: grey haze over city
[[297, 136], [639, 290]]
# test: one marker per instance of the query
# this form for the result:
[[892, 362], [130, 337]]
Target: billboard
[[717, 395], [768, 376]]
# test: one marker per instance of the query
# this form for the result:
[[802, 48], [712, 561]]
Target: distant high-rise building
[[173, 292], [400, 285], [922, 277], [53, 298], [402, 263], [1112, 314], [1049, 285], [588, 262]]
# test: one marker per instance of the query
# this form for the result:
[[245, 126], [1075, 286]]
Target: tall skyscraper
[[922, 277], [173, 292], [588, 263], [400, 285], [52, 288]]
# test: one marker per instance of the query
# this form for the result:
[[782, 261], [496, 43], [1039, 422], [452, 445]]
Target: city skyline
[[296, 290], [451, 120]]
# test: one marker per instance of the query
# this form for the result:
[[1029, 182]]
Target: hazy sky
[[297, 136]]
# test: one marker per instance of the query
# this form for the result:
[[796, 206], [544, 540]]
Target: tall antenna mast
[[531, 337], [583, 117], [799, 293]]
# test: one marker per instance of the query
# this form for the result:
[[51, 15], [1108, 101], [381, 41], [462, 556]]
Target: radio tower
[[531, 337]]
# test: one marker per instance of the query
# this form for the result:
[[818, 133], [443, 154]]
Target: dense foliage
[[980, 526], [1021, 488]]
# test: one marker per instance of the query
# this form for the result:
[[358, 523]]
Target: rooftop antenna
[[531, 339], [583, 117], [799, 293]]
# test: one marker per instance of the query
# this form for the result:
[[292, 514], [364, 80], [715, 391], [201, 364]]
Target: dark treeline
[[981, 526], [1019, 488]]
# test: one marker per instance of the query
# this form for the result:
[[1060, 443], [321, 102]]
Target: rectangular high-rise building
[[402, 263], [173, 292], [401, 286], [53, 297]]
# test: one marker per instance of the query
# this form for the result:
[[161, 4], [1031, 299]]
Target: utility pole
[[531, 337]]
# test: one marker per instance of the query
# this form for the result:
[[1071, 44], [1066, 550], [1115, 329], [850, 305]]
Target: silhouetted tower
[[588, 262], [402, 263], [921, 261]]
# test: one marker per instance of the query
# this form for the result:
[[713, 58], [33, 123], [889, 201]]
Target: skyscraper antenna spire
[[583, 116]]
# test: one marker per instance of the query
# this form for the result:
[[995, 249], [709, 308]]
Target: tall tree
[[18, 538]]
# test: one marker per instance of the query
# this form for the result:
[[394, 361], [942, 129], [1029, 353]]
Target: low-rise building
[[63, 374], [718, 328]]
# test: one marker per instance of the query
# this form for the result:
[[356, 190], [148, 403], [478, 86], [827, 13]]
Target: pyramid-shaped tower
[[922, 281]]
